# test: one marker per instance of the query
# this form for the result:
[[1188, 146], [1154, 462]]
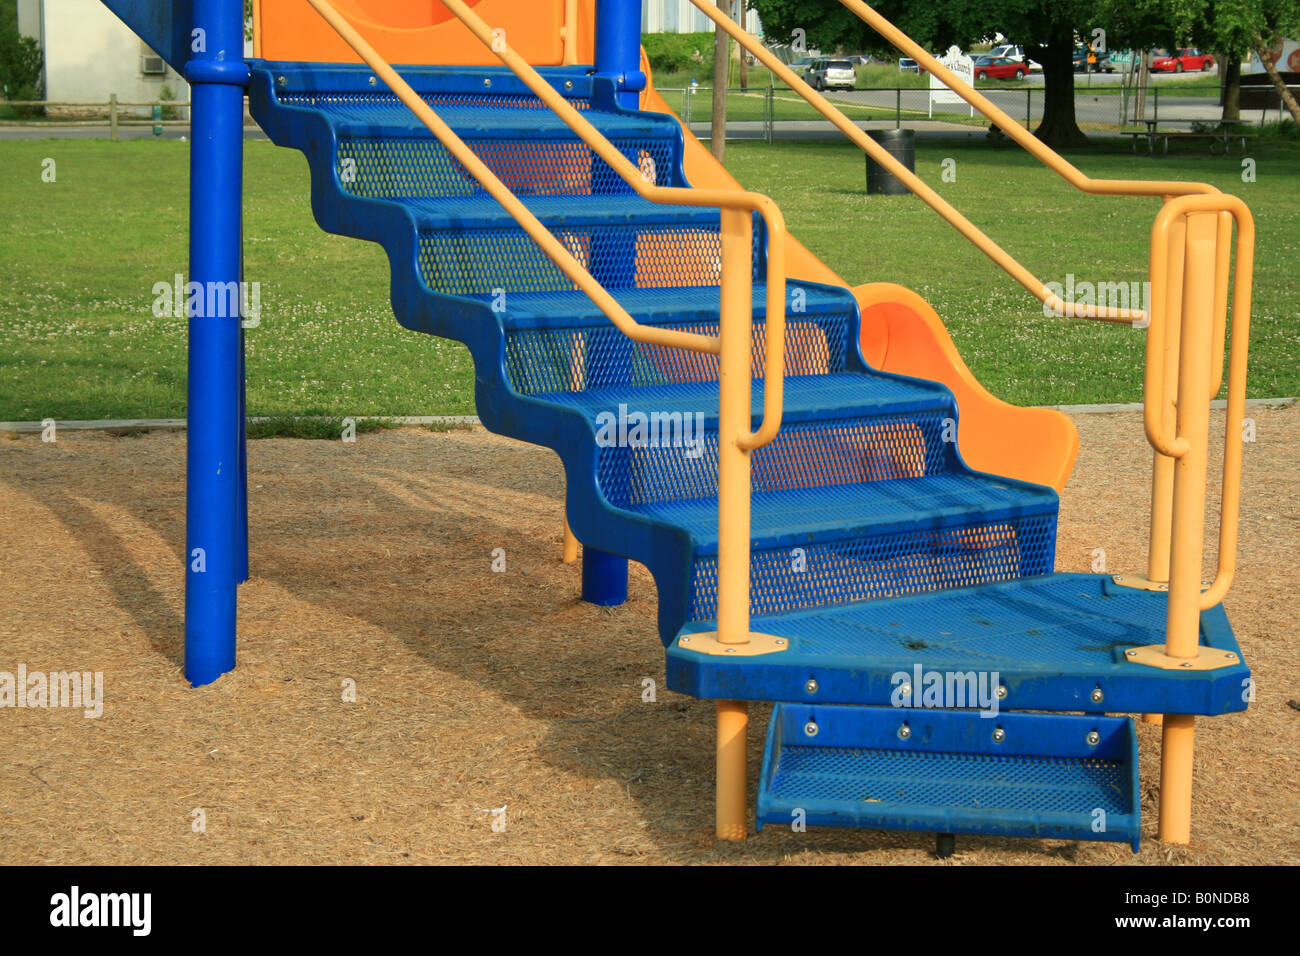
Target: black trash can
[[901, 144]]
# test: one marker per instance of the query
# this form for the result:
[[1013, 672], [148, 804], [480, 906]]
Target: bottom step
[[948, 771]]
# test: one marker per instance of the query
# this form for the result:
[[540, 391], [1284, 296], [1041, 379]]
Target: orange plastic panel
[[422, 31], [902, 333]]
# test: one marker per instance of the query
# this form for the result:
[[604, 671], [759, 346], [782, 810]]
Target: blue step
[[948, 771], [481, 211], [688, 305], [835, 543], [551, 335], [1052, 640]]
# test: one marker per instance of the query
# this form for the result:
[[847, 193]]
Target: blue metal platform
[[1053, 641]]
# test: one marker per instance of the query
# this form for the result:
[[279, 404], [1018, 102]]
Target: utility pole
[[721, 63], [744, 55]]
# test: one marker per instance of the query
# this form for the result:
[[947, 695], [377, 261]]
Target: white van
[[1016, 53]]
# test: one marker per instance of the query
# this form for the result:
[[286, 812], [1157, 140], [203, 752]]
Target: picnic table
[[1223, 133]]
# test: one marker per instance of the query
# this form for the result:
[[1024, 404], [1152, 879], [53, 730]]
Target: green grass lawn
[[78, 338]]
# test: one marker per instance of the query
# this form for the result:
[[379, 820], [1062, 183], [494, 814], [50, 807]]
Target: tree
[[1238, 26], [1230, 28], [1045, 28]]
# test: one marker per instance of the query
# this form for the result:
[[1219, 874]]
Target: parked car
[[907, 65], [803, 63], [1187, 58], [1016, 53], [999, 68], [829, 74], [1085, 60], [864, 59]]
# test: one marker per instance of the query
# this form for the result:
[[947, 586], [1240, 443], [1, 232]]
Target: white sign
[[964, 68], [1285, 55]]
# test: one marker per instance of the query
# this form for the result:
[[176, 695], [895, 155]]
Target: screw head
[[1130, 653], [374, 81], [810, 729], [731, 650], [568, 84], [1001, 692], [905, 690], [685, 640], [904, 732], [1093, 738], [1185, 664], [811, 687], [999, 735], [281, 81], [1097, 695], [780, 642], [487, 81]]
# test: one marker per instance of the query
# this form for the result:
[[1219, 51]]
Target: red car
[[999, 68], [1185, 59]]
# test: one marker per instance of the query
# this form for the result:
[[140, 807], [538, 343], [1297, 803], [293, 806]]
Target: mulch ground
[[476, 690]]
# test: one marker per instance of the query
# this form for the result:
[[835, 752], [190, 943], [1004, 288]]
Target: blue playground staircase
[[876, 552]]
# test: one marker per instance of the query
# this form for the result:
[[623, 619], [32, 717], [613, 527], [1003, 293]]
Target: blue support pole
[[604, 578], [618, 47], [241, 527], [618, 55], [217, 74]]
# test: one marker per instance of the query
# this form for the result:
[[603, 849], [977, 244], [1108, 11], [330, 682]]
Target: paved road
[[1088, 107]]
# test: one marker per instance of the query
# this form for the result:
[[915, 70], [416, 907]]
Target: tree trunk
[[1261, 48], [1059, 128], [721, 64], [1230, 76]]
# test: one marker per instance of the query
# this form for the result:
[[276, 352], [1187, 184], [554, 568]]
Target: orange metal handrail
[[928, 195], [1161, 433], [714, 198]]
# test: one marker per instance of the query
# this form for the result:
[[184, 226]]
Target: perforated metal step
[[832, 544], [947, 771]]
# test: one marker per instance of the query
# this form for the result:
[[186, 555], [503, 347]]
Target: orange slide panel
[[422, 31], [902, 333]]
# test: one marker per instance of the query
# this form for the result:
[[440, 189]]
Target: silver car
[[829, 74]]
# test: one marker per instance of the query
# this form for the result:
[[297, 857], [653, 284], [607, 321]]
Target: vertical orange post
[[735, 379], [1162, 477], [1162, 467], [1187, 541]]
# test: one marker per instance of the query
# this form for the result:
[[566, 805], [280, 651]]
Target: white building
[[682, 16], [90, 54]]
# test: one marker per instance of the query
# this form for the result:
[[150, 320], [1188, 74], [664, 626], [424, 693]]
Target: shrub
[[20, 69], [679, 52]]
